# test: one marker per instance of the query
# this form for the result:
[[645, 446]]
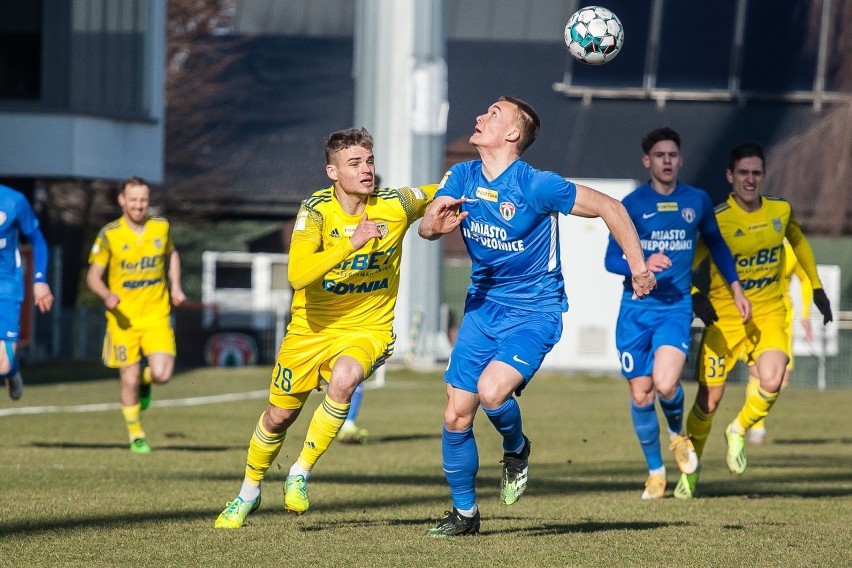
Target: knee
[[161, 369], [491, 395], [276, 420], [455, 422]]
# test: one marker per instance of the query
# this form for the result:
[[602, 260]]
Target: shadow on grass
[[51, 372], [811, 441], [158, 448], [541, 529]]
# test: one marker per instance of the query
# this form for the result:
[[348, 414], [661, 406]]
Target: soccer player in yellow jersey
[[137, 255], [344, 267], [757, 433], [754, 226]]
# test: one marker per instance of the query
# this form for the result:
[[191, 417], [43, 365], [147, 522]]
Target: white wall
[[594, 295]]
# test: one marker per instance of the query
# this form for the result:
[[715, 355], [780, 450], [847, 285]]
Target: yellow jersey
[[136, 269], [337, 287], [756, 240]]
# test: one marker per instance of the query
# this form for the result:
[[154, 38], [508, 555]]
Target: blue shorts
[[10, 320], [494, 332], [640, 332]]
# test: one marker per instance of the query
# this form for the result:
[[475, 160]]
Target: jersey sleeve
[[452, 184], [415, 200], [614, 260], [803, 250], [551, 192], [805, 288], [100, 252], [307, 261]]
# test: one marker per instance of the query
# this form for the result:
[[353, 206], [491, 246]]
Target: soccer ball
[[594, 35]]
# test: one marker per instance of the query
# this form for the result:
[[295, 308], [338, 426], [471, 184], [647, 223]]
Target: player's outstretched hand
[[703, 309], [448, 216], [823, 305], [643, 283]]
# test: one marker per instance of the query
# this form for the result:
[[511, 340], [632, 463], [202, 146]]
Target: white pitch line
[[192, 401]]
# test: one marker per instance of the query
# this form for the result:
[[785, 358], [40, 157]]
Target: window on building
[[20, 50]]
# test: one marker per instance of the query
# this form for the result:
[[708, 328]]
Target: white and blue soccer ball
[[594, 35]]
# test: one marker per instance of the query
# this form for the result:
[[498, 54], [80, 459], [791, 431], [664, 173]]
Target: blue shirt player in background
[[653, 339], [17, 217], [508, 212]]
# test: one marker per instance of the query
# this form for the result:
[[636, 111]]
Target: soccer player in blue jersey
[[653, 339], [16, 218], [507, 211]]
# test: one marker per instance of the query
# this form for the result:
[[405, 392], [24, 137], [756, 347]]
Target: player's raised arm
[[592, 203]]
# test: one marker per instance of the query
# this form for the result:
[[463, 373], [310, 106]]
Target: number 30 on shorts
[[626, 362]]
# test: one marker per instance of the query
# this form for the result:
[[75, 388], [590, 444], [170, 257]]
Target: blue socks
[[673, 410], [648, 431], [507, 419], [461, 463]]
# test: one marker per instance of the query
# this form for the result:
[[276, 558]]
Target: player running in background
[[653, 337], [16, 218], [754, 226], [344, 267], [513, 312], [137, 254], [757, 433]]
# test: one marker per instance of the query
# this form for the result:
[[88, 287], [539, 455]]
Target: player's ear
[[646, 161], [331, 171], [730, 175], [514, 135]]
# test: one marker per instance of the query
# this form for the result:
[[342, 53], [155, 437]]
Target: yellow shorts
[[726, 342], [306, 359], [124, 346], [790, 322]]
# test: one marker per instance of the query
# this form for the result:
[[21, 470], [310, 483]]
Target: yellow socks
[[325, 424], [698, 426], [131, 419], [263, 449], [751, 390], [756, 407]]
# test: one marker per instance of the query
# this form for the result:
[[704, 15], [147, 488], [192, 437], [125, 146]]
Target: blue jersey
[[511, 232], [16, 216], [671, 224]]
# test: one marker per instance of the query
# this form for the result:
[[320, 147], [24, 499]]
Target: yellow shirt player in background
[[754, 227], [137, 255], [344, 268], [757, 433]]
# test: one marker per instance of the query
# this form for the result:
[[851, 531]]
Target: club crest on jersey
[[776, 224], [2, 217], [507, 210], [382, 226], [158, 243], [486, 194], [688, 214]]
